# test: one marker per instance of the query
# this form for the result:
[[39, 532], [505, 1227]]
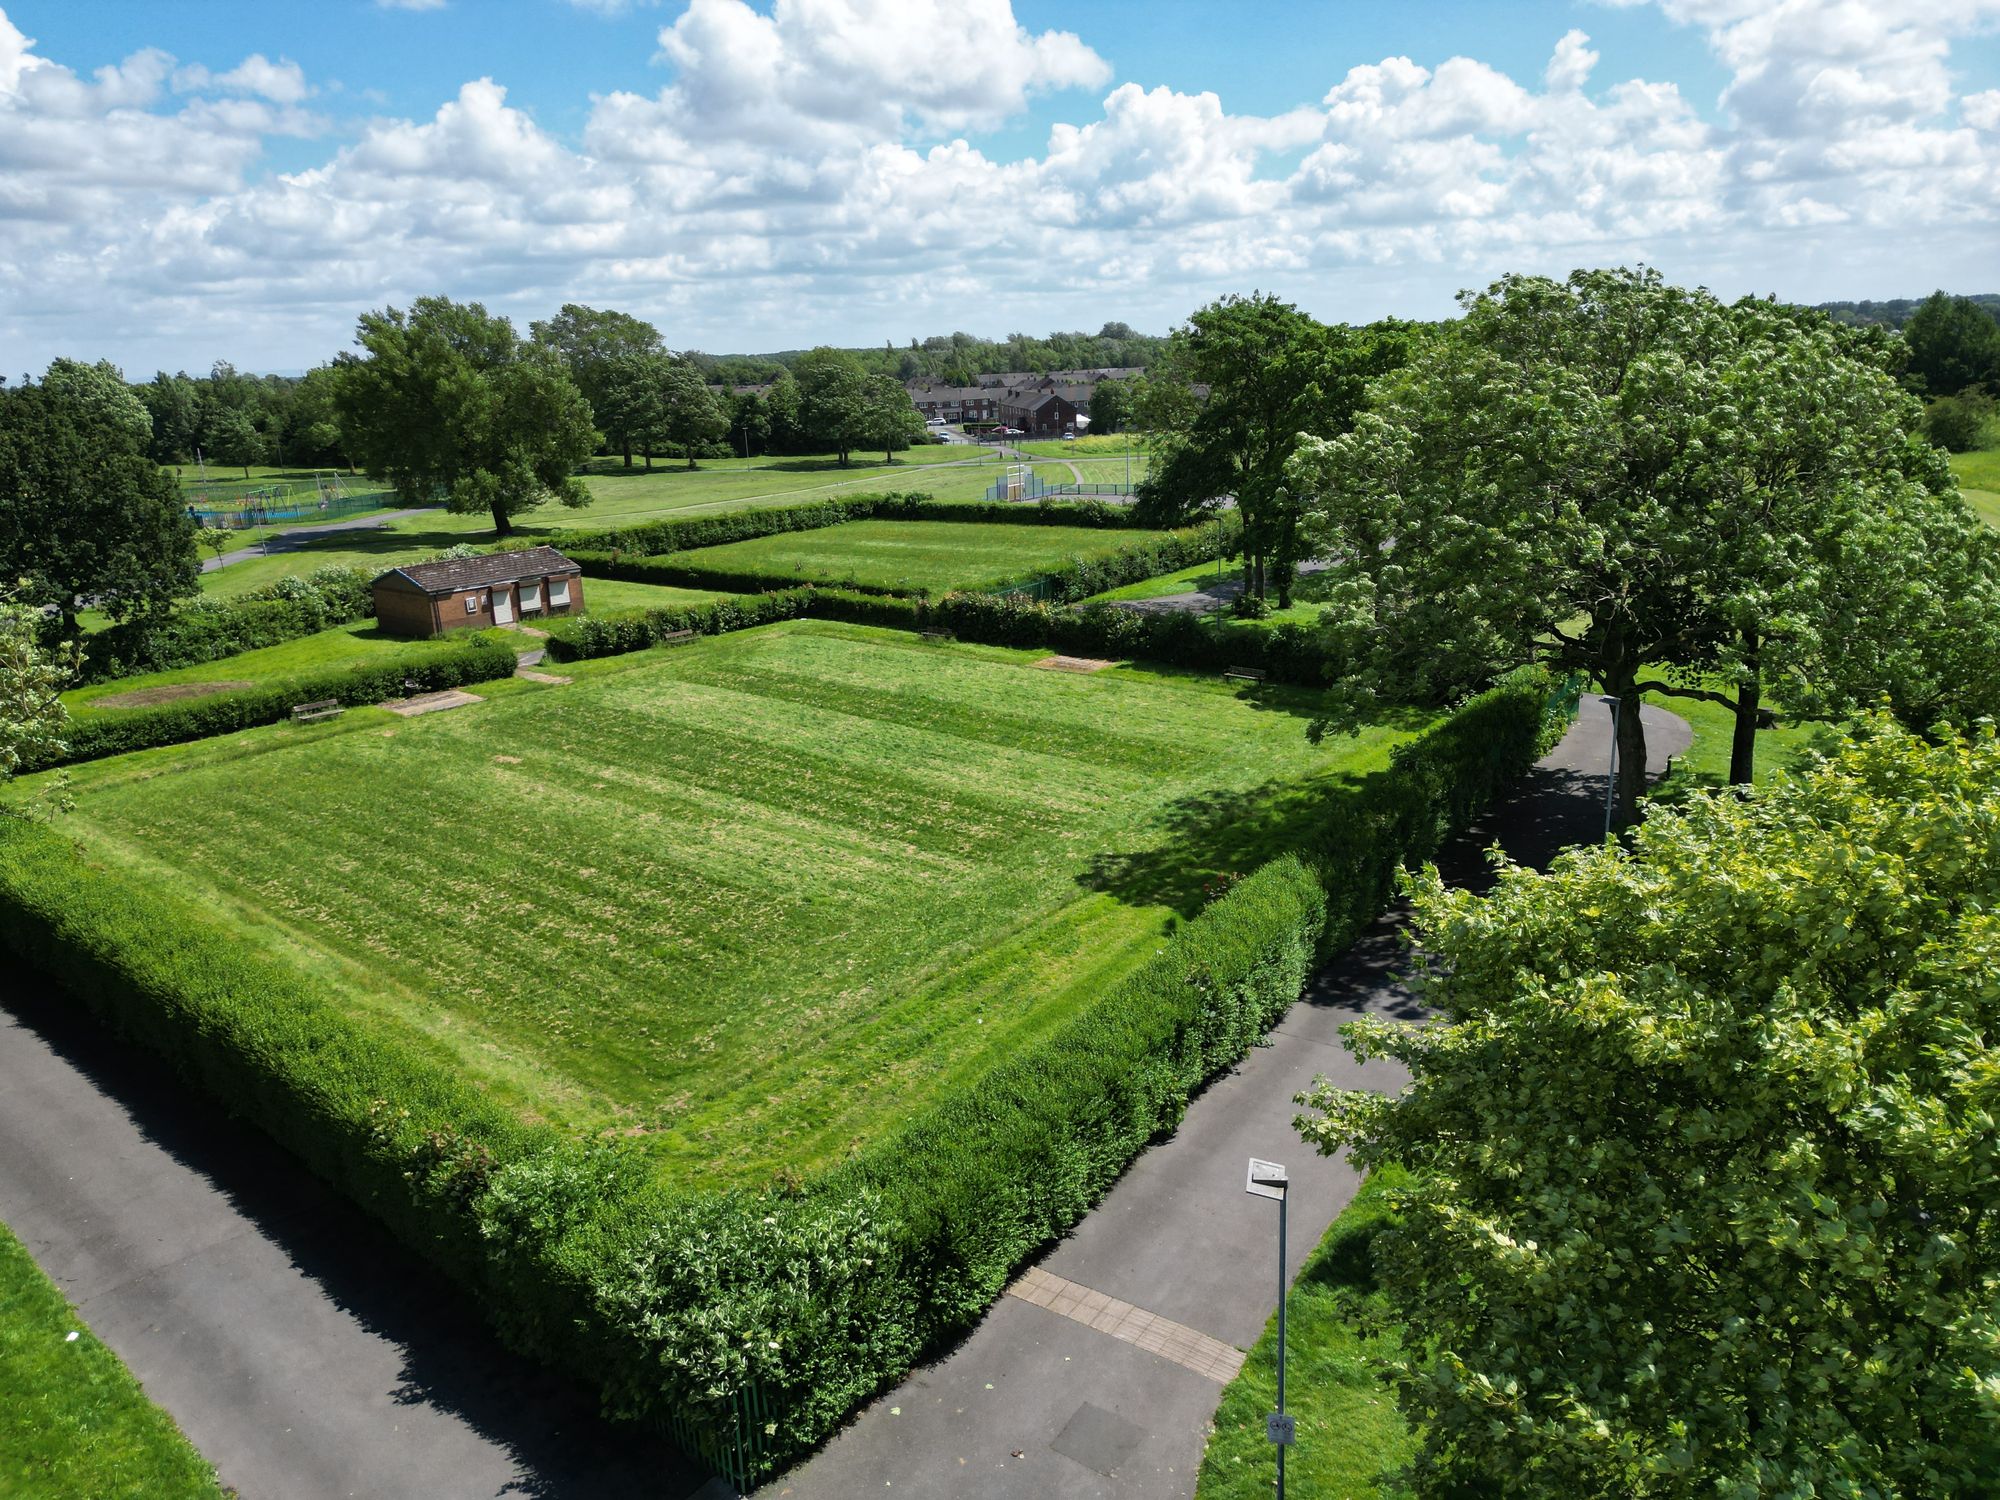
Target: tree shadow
[[548, 1429]]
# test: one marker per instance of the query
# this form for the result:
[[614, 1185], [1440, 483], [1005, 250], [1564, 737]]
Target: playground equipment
[[326, 497], [1024, 482]]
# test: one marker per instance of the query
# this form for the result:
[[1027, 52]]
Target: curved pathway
[[294, 537], [1062, 1393]]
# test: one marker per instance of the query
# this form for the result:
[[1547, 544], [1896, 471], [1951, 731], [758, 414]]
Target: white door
[[503, 606]]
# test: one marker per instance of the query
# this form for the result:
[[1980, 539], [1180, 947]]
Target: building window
[[472, 604], [559, 593]]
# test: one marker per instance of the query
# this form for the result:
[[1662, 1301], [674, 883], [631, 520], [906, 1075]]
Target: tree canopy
[[86, 519], [1243, 381], [1703, 1150], [605, 351], [1617, 477], [833, 400], [32, 678], [1954, 343], [449, 403]]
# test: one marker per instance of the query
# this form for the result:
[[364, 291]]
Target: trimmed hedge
[[685, 533], [210, 629], [749, 1324], [1079, 579], [102, 732]]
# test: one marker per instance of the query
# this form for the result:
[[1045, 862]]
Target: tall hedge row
[[684, 533], [747, 1323], [102, 732]]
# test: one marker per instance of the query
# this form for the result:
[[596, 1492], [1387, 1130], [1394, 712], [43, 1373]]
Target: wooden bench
[[1245, 674], [935, 637], [676, 637], [312, 713]]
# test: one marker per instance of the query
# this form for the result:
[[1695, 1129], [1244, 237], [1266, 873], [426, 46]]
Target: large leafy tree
[[1624, 478], [600, 346], [447, 403], [86, 518], [1110, 407], [690, 415], [1705, 1198], [173, 402], [1954, 343], [833, 400], [1244, 380], [892, 421]]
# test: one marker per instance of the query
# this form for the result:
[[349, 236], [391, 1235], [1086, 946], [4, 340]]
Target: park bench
[[676, 637], [936, 637], [1245, 674], [312, 713]]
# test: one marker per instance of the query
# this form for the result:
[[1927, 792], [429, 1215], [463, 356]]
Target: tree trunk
[[628, 453], [1631, 752], [649, 460], [503, 524], [689, 450], [1260, 574], [1749, 698]]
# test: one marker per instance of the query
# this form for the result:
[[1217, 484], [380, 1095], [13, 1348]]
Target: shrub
[[115, 731], [208, 629]]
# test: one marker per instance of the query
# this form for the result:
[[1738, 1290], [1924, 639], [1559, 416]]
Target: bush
[[209, 629], [114, 731], [748, 1324], [1959, 424]]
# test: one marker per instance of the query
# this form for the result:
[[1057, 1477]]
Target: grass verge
[[1339, 1343], [73, 1421]]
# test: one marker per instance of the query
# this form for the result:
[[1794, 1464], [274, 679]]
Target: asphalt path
[[294, 537], [1034, 1405], [309, 1356]]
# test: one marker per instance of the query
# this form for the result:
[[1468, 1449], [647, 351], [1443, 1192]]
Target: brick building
[[471, 593]]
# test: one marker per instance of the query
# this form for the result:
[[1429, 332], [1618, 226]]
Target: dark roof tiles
[[454, 573]]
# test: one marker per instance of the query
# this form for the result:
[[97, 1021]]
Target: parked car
[[1069, 437]]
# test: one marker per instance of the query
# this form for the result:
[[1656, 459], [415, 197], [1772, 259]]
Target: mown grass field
[[623, 498], [73, 1421], [603, 596], [1979, 481], [349, 645], [914, 556], [750, 900]]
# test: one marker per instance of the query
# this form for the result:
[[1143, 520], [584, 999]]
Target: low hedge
[[210, 629], [102, 732], [685, 533], [747, 1323], [1080, 578]]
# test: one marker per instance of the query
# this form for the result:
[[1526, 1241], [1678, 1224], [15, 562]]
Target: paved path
[[294, 537], [1058, 1397], [307, 1355]]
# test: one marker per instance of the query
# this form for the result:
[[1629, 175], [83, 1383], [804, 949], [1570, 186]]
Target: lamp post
[[1611, 775], [1268, 1179]]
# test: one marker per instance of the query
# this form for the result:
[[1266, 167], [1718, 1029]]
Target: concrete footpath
[[305, 1354], [1103, 1390]]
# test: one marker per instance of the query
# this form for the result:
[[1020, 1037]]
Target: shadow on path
[[305, 1352]]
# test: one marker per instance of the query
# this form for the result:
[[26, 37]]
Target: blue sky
[[186, 182]]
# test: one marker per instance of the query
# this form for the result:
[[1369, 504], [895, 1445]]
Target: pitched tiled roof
[[455, 573]]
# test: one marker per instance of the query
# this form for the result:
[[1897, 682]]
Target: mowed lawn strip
[[912, 556], [752, 899], [73, 1421]]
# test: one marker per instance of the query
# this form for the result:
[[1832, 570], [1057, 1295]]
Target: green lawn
[[752, 899], [1115, 444], [73, 1421], [1979, 481], [603, 596], [621, 498], [344, 646], [1705, 766], [913, 556], [1338, 1342]]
